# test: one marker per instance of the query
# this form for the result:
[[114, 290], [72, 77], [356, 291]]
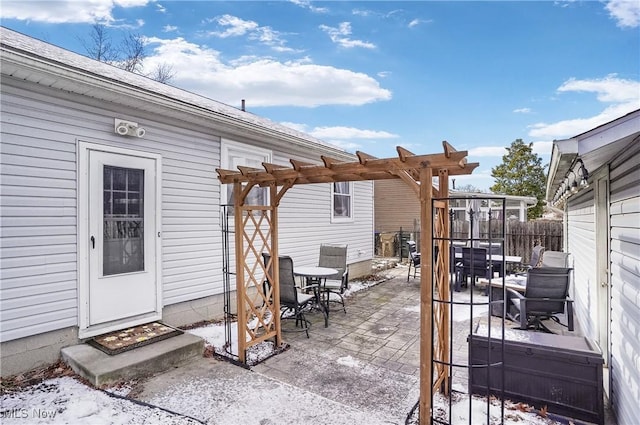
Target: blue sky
[[371, 76]]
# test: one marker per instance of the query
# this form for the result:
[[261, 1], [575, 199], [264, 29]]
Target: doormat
[[120, 341]]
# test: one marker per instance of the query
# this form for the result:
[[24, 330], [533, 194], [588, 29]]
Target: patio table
[[497, 258], [314, 278]]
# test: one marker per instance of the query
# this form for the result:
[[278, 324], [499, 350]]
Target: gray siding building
[[602, 229]]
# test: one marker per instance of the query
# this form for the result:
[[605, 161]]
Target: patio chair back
[[288, 292], [555, 259], [536, 256], [334, 257], [547, 282], [474, 262]]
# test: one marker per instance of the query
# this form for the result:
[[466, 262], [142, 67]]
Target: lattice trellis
[[258, 313], [416, 171], [441, 337]]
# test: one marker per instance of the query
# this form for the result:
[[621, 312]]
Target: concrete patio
[[366, 361]]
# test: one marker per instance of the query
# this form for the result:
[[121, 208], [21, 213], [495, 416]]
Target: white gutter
[[560, 148]]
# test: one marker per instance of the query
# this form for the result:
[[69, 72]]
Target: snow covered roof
[[43, 63]]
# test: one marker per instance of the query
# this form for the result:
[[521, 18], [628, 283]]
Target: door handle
[[93, 242]]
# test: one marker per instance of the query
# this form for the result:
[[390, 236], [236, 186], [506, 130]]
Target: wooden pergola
[[256, 231]]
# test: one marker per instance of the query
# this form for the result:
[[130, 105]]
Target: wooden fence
[[520, 238]]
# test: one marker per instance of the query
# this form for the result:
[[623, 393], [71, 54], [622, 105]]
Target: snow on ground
[[67, 401]]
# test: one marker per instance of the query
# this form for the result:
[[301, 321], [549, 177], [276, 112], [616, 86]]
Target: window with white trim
[[342, 201], [234, 154]]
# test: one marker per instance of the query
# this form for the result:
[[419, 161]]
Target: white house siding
[[581, 245], [41, 129], [625, 285], [38, 216], [305, 223], [39, 264]]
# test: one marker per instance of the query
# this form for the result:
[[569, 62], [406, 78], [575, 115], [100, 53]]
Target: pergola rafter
[[416, 171]]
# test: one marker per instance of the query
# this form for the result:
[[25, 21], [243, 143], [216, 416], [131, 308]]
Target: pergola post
[[275, 201], [426, 295]]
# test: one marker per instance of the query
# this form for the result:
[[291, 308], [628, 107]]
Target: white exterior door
[[123, 282]]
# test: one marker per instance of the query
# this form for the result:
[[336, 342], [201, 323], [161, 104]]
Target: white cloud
[[384, 74], [362, 12], [341, 35], [625, 12], [522, 110], [262, 81], [416, 22], [624, 96], [160, 8], [169, 28], [235, 26], [609, 89], [307, 5], [69, 11]]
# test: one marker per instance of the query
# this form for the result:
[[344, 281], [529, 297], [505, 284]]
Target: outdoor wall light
[[584, 182], [128, 128], [574, 185]]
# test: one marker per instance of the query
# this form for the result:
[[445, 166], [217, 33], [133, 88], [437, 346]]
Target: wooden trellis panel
[[257, 312], [441, 337]]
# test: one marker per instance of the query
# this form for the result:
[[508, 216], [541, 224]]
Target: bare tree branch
[[129, 55], [99, 45], [133, 52], [163, 73]]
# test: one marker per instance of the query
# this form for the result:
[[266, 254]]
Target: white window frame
[[342, 219], [233, 154]]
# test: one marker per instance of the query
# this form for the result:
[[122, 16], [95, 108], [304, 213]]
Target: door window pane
[[123, 234]]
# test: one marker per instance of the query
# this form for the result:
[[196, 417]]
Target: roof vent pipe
[[242, 107]]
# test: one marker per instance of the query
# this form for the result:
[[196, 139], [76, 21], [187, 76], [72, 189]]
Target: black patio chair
[[545, 296], [414, 259], [472, 265], [292, 302], [334, 257]]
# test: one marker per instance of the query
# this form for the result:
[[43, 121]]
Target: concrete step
[[100, 368]]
